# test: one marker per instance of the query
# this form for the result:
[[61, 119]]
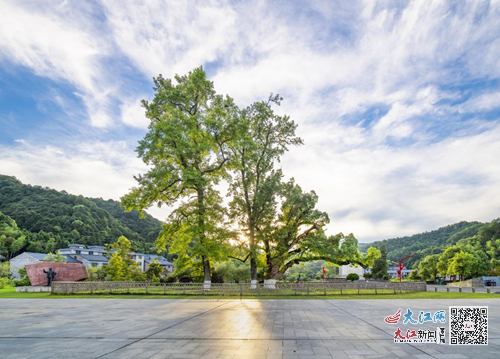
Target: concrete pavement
[[169, 328]]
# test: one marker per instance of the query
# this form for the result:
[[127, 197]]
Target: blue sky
[[398, 102]]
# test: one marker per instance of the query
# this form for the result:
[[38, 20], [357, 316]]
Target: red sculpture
[[65, 272], [401, 266]]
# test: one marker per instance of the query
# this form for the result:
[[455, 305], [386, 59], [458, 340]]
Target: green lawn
[[10, 292]]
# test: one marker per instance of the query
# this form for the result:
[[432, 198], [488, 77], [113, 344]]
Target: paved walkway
[[162, 328]]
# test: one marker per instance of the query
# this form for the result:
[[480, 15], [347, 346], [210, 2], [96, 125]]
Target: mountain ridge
[[74, 218]]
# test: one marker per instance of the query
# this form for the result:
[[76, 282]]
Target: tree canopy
[[262, 138], [186, 149]]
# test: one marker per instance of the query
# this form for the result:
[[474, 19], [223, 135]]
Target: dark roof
[[153, 256], [94, 258], [42, 256], [163, 263]]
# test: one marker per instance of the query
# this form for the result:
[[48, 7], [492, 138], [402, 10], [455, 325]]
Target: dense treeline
[[427, 243], [50, 219], [465, 249]]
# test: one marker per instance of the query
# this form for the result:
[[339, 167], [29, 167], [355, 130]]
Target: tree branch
[[241, 260]]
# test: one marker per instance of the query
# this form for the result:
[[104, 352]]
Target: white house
[[347, 269]]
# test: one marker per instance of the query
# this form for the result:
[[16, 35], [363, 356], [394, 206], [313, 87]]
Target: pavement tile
[[166, 328]]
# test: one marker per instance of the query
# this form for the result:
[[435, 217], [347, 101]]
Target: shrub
[[4, 270], [24, 281], [414, 276], [4, 282], [352, 277]]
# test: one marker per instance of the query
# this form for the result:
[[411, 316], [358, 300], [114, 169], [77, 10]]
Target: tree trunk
[[206, 268], [253, 262], [201, 229]]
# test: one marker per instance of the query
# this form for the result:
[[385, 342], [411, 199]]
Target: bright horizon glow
[[398, 103]]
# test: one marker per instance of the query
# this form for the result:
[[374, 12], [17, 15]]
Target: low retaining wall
[[36, 289], [479, 282], [230, 289]]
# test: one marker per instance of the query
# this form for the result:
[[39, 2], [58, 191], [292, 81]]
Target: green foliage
[[414, 275], [5, 275], [462, 264], [154, 271], [12, 239], [429, 267], [489, 234], [96, 273], [4, 282], [5, 270], [451, 262], [352, 277], [311, 271], [121, 267], [262, 138], [24, 281], [297, 235], [423, 244], [186, 149], [379, 269], [233, 271], [56, 257], [50, 220]]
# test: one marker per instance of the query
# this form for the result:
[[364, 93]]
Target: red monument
[[65, 272], [401, 266]]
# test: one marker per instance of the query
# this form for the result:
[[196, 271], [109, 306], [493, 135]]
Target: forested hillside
[[49, 219], [423, 244]]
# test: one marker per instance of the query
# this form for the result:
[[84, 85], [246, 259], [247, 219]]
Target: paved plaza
[[168, 328]]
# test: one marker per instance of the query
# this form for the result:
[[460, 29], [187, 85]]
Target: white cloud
[[483, 102], [91, 168], [51, 44], [170, 37], [133, 114], [381, 191], [331, 63]]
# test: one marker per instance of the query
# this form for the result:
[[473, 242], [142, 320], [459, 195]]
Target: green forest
[[40, 219], [467, 249]]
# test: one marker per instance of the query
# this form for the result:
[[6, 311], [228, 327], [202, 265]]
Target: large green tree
[[297, 235], [262, 138], [186, 150], [462, 264], [379, 269], [429, 267]]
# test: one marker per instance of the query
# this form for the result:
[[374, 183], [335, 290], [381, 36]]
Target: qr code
[[468, 325]]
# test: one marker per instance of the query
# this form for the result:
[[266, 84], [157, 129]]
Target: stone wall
[[475, 282]]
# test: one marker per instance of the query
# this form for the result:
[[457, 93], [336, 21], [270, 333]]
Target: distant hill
[[426, 243], [73, 219]]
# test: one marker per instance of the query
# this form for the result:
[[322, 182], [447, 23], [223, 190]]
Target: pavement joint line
[[159, 331], [191, 338], [355, 316]]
